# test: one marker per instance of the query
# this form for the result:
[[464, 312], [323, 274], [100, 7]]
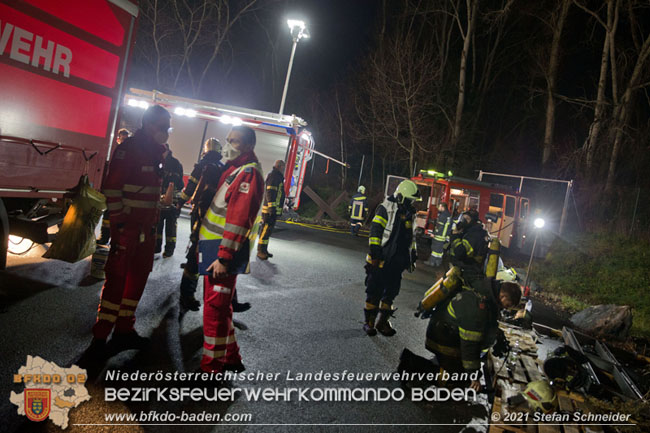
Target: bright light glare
[[185, 112], [139, 104], [230, 120], [18, 245], [539, 223], [296, 23]]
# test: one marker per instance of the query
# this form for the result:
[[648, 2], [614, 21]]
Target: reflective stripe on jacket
[[274, 194], [358, 207], [235, 205], [132, 186]]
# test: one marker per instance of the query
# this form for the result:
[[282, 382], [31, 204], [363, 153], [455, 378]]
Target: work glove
[[422, 313]]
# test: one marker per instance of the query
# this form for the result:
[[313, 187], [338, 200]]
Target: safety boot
[[189, 303], [369, 324], [240, 307], [383, 324], [262, 255], [126, 341]]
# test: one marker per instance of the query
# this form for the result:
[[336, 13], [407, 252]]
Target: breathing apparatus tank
[[441, 290], [493, 258]]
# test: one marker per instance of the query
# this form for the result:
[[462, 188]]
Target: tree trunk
[[467, 37], [372, 164], [338, 112], [623, 110], [589, 147], [551, 76]]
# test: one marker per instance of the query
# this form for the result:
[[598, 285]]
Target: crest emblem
[[37, 404]]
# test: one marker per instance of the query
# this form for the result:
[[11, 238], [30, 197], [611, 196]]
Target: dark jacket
[[399, 247], [468, 249], [274, 195], [210, 168], [443, 223], [464, 325], [358, 207], [172, 173]]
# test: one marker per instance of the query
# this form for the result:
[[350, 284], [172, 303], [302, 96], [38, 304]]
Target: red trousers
[[128, 266], [219, 342]]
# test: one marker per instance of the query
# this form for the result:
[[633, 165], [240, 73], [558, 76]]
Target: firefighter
[[200, 189], [105, 233], [440, 235], [462, 327], [273, 203], [392, 250], [172, 174], [358, 210], [468, 246], [132, 190], [230, 218]]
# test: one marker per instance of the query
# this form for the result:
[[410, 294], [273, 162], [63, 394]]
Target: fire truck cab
[[501, 208]]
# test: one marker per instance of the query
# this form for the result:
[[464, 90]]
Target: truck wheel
[[4, 236]]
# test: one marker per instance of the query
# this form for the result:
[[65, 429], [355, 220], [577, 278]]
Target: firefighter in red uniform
[[230, 218], [132, 190]]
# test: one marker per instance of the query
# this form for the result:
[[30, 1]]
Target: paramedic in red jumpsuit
[[132, 189], [243, 185]]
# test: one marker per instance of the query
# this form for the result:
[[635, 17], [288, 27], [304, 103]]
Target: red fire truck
[[62, 72], [500, 207], [62, 69]]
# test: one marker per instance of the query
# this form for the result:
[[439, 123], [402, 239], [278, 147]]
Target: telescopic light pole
[[539, 223], [298, 31]]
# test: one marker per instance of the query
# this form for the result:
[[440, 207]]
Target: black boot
[[189, 303], [412, 363], [126, 341], [95, 354], [383, 324], [369, 324], [240, 307]]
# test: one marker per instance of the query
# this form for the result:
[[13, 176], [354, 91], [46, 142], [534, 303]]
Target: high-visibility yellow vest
[[214, 222]]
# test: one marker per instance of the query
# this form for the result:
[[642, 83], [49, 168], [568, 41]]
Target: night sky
[[340, 31]]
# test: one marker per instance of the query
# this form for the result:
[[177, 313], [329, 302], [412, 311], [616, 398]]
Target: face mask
[[229, 153], [161, 137]]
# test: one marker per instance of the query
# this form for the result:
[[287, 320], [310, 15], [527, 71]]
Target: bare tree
[[557, 25], [610, 25], [182, 39], [466, 33], [624, 104]]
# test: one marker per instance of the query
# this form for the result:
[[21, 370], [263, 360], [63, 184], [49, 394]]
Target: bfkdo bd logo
[[37, 404]]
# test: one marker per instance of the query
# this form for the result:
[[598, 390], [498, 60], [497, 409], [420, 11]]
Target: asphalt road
[[306, 317]]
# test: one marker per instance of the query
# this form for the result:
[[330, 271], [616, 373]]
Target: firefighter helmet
[[361, 189], [540, 396], [211, 144], [407, 190]]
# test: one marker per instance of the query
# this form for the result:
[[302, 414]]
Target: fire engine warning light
[[139, 104]]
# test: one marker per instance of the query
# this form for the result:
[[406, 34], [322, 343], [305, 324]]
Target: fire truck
[[193, 121], [63, 66], [501, 208]]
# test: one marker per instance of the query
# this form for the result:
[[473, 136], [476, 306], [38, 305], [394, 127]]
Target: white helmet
[[361, 189], [211, 144], [407, 190]]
